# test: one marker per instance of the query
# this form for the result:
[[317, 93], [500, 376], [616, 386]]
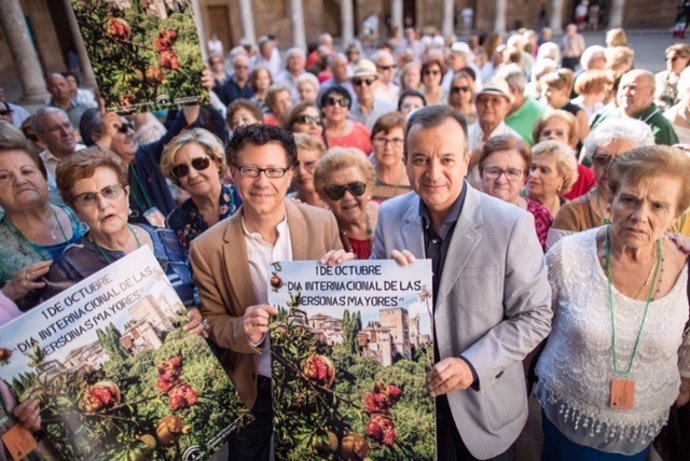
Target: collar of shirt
[[72, 104], [647, 114], [451, 218]]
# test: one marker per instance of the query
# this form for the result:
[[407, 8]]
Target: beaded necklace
[[103, 253]]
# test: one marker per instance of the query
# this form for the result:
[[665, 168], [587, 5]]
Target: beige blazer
[[221, 271]]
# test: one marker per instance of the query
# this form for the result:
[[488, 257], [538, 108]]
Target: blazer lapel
[[237, 262], [464, 241], [411, 230], [298, 231]]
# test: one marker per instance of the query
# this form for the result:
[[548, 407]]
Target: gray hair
[[294, 51], [610, 131], [325, 38], [514, 76], [334, 57], [380, 54], [43, 112], [591, 53], [549, 50]]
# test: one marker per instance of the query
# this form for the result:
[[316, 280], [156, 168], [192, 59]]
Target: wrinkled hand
[[207, 80], [27, 280], [403, 257], [29, 415], [333, 257], [195, 326], [110, 123], [684, 396], [449, 375], [255, 321]]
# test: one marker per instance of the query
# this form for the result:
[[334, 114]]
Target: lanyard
[[103, 253], [652, 289], [140, 187]]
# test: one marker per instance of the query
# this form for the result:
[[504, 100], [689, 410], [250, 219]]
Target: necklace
[[103, 253], [650, 296], [604, 216], [38, 249]]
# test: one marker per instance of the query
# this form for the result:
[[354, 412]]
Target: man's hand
[[195, 326], [207, 80], [255, 321], [403, 257], [29, 415], [333, 257], [449, 375], [110, 123]]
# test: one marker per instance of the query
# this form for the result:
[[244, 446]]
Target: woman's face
[[556, 98], [335, 108], [348, 209], [202, 175], [460, 93], [21, 183], [309, 122], [412, 78], [388, 147], [304, 174], [242, 117], [307, 93], [676, 64], [432, 76], [555, 129], [503, 175], [105, 216], [544, 179], [642, 213], [410, 104], [263, 80], [283, 103]]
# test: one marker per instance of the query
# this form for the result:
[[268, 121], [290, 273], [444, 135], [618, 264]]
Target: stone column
[[500, 22], [397, 13], [89, 78], [347, 22], [247, 20], [448, 17], [23, 53], [557, 16], [616, 16], [299, 38], [200, 29]]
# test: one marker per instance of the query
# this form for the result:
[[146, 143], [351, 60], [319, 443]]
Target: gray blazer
[[493, 307]]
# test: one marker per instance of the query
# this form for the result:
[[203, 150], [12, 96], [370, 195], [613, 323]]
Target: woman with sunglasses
[[344, 178], [340, 130], [94, 183], [195, 161], [306, 118], [461, 97], [432, 76], [32, 231]]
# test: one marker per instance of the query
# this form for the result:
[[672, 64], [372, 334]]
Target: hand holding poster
[[352, 346], [145, 53], [115, 375]]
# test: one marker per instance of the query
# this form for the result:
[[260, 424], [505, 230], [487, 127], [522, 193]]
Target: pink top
[[8, 309], [360, 137]]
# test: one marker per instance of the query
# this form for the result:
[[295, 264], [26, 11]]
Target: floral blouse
[[187, 221]]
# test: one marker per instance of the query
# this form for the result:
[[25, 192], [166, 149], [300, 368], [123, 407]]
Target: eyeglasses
[[5, 112], [331, 101], [67, 126], [125, 127], [254, 172], [382, 141], [357, 189], [215, 63], [308, 119], [362, 81], [431, 72], [199, 164], [494, 172], [602, 161], [458, 89], [387, 68], [89, 199]]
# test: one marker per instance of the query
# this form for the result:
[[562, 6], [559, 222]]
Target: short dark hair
[[431, 117], [410, 94], [337, 89], [89, 125], [260, 135], [69, 73], [246, 104], [387, 122]]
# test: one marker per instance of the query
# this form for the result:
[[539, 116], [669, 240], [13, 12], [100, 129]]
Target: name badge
[[622, 394], [19, 442]]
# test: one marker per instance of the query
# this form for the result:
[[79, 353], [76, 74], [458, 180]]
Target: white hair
[[635, 131], [549, 50], [543, 66], [591, 53]]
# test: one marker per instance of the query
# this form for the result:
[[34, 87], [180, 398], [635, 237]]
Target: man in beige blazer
[[231, 268]]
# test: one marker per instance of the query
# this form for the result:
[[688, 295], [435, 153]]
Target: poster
[[351, 347], [116, 376], [145, 54]]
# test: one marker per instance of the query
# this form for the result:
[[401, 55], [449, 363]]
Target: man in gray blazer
[[492, 300]]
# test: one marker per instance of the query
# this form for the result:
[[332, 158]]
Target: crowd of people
[[547, 183]]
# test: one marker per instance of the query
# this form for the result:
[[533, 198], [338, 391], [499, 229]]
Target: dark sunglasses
[[5, 112], [331, 101], [308, 119], [458, 89], [357, 189], [431, 72], [199, 164], [386, 67], [362, 81], [125, 127]]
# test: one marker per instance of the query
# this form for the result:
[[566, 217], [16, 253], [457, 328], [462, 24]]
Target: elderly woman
[[409, 101], [411, 76], [503, 167], [344, 178], [610, 369], [340, 130], [388, 137], [461, 97], [308, 88], [553, 172], [679, 114], [33, 232], [561, 126], [94, 183], [195, 161], [677, 60], [305, 118], [243, 112], [260, 81], [279, 101], [309, 152], [432, 76]]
